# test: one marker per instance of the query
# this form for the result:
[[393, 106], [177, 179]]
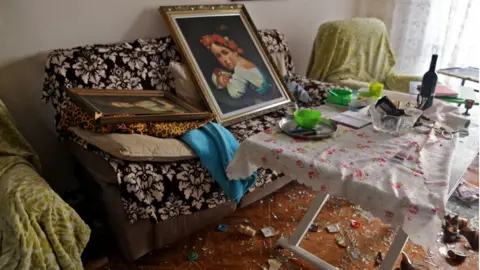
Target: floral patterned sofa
[[150, 205]]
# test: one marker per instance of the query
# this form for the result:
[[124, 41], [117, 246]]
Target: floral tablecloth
[[360, 165]]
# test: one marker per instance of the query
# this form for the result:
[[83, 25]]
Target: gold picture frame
[[134, 106], [227, 61]]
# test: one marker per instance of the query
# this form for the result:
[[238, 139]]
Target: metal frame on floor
[[293, 243]]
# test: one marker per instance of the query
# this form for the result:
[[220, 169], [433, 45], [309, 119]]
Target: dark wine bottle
[[429, 82]]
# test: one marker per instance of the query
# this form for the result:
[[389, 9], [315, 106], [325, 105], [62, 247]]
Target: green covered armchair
[[355, 53], [38, 230]]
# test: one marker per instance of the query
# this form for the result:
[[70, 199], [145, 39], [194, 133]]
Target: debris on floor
[[367, 215], [455, 226], [456, 256], [274, 264], [331, 235], [313, 228], [246, 230], [341, 242], [472, 237], [378, 259], [355, 224], [443, 251], [355, 253], [222, 227], [333, 228], [268, 232], [406, 263], [192, 256]]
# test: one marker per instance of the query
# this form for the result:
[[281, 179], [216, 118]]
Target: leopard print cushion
[[74, 116]]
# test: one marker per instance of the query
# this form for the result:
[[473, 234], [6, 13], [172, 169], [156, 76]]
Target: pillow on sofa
[[136, 147], [278, 59], [184, 86]]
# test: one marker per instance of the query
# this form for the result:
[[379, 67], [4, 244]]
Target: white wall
[[29, 29], [380, 9]]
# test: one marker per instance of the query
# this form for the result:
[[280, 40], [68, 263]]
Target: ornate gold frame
[[78, 95], [168, 11]]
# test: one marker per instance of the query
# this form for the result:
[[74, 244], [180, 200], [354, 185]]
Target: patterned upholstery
[[157, 190]]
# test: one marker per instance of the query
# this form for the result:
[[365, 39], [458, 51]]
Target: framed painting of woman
[[229, 64]]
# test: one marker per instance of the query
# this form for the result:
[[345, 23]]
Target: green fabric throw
[[355, 53], [38, 230]]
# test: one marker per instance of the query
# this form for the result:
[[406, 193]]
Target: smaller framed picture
[[133, 106]]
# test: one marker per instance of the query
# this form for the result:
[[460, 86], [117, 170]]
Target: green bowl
[[339, 96], [307, 118]]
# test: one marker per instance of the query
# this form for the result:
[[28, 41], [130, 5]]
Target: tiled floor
[[283, 210]]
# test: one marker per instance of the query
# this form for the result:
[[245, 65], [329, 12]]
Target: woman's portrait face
[[226, 57]]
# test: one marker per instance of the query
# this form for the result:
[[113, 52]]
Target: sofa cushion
[[278, 59], [136, 147]]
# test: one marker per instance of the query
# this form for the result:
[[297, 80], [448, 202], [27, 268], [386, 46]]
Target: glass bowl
[[395, 125]]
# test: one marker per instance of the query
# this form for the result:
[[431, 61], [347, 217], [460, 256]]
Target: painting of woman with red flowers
[[229, 64]]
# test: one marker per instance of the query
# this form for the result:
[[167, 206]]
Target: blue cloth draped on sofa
[[216, 147]]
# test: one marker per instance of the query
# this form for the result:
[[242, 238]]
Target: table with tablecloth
[[403, 180]]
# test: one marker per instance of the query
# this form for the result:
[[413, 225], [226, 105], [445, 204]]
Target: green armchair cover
[[38, 230], [355, 53]]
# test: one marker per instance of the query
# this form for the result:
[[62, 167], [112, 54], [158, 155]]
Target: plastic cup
[[376, 89]]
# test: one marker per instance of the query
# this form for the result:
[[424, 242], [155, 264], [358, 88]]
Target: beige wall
[[380, 9], [29, 29]]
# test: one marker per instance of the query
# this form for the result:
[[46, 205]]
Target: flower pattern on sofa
[[157, 191]]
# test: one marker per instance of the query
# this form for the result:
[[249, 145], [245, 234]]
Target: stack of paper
[[444, 91], [440, 90], [355, 119]]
